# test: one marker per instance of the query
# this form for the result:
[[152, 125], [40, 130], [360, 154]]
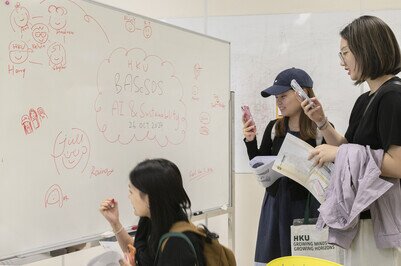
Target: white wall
[[248, 200]]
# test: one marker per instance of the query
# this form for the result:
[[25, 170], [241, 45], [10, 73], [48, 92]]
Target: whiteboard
[[87, 92]]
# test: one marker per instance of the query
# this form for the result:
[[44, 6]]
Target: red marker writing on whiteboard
[[7, 2]]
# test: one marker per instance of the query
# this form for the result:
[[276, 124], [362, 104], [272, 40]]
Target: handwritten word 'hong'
[[12, 70]]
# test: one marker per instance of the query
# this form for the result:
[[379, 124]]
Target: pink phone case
[[246, 114]]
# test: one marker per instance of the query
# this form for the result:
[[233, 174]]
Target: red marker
[[113, 202], [134, 227]]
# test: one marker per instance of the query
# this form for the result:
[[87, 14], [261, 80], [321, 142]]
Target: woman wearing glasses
[[369, 52]]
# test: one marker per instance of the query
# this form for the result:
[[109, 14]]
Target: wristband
[[118, 231], [324, 125]]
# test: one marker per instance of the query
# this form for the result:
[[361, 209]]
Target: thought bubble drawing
[[139, 98]]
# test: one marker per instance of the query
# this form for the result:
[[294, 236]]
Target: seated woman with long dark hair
[[158, 197]]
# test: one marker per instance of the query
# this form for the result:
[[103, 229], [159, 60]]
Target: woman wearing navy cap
[[285, 200]]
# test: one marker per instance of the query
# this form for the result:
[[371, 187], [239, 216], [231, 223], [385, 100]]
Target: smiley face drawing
[[147, 30], [58, 19], [54, 196], [18, 52], [19, 17], [71, 150], [40, 33], [130, 24], [204, 118], [56, 53]]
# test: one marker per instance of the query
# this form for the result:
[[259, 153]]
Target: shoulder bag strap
[[174, 234], [306, 213], [371, 99]]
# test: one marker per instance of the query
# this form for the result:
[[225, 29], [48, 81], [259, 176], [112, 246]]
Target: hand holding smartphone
[[246, 115], [300, 92]]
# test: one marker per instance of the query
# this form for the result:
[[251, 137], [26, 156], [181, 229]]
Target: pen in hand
[[113, 202]]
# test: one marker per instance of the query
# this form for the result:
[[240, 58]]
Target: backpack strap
[[396, 82], [273, 132], [184, 226], [176, 231]]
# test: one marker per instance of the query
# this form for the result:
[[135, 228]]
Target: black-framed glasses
[[341, 54]]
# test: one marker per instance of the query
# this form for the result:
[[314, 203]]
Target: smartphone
[[300, 92], [246, 114]]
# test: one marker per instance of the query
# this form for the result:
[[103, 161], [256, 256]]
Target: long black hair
[[161, 180]]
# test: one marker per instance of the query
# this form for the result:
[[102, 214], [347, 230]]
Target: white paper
[[262, 166], [292, 161], [109, 258], [111, 245]]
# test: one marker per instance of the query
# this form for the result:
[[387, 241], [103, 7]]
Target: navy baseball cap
[[283, 80]]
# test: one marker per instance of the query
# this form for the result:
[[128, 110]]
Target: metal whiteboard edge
[[52, 247], [211, 213], [231, 214]]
